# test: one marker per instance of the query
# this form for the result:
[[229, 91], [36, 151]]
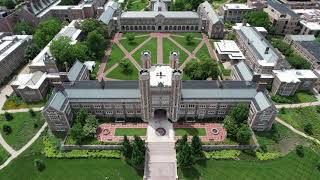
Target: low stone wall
[[89, 147]]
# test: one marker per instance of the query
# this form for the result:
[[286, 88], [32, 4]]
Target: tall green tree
[[184, 156], [8, 4], [89, 25], [180, 142], [31, 52], [96, 44], [77, 133], [23, 27], [45, 31], [231, 126], [244, 134], [126, 148], [138, 152], [196, 146], [258, 18], [202, 69], [90, 126], [61, 50], [82, 115], [126, 67], [240, 113]]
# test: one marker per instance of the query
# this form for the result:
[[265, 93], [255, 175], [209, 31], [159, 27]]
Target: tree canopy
[[258, 18], [31, 52], [89, 25], [23, 27], [202, 69], [45, 32], [8, 4], [244, 134], [96, 44]]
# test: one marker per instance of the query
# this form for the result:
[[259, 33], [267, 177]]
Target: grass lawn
[[195, 35], [190, 131], [298, 117], [66, 169], [150, 46], [3, 155], [131, 131], [169, 46], [23, 128], [298, 97], [130, 46], [183, 42], [16, 102], [289, 167], [118, 74], [137, 5], [223, 71], [115, 56], [203, 52]]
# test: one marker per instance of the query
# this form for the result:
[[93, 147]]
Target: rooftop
[[314, 26], [160, 74], [32, 80], [294, 75], [261, 101], [230, 48], [212, 15], [166, 14], [282, 8], [75, 70], [302, 37], [109, 10], [8, 44], [243, 71], [313, 47], [236, 6], [267, 55]]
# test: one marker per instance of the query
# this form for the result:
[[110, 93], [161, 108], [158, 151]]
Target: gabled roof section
[[57, 101], [261, 101], [212, 15], [109, 10], [75, 70]]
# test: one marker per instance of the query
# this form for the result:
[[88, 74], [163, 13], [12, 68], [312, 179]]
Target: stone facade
[[234, 12]]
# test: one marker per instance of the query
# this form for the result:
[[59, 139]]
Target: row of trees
[[202, 69], [134, 153], [84, 126], [188, 154], [185, 5], [9, 4], [236, 124], [259, 19]]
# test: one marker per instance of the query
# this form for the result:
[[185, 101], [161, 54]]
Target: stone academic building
[[160, 91]]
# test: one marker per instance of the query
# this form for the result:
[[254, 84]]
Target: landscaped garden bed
[[298, 97], [190, 131], [16, 102], [131, 132]]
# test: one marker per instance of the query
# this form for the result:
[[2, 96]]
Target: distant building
[[241, 72], [228, 50], [261, 57], [283, 19], [12, 53], [261, 30], [287, 82], [234, 12], [309, 21], [298, 4], [109, 16], [306, 46]]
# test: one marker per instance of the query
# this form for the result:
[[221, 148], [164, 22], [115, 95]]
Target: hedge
[[268, 155], [50, 151], [224, 154]]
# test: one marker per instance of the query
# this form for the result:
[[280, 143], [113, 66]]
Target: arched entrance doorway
[[160, 114]]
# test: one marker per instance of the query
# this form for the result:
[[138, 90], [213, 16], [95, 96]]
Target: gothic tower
[[174, 60], [175, 95], [146, 59], [145, 95]]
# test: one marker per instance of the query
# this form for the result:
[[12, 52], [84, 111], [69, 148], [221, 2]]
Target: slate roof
[[57, 100], [109, 10], [243, 71], [75, 71], [153, 14], [212, 15], [312, 47], [282, 8], [261, 102]]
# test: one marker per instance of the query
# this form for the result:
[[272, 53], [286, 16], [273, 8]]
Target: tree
[[318, 165], [184, 156], [89, 25], [31, 52], [90, 126], [131, 38], [202, 69], [81, 52], [300, 150], [126, 148], [240, 113], [82, 115], [8, 116], [45, 31], [23, 27], [61, 50], [244, 134], [6, 129], [77, 133], [39, 164], [32, 113], [189, 39], [180, 142], [8, 4], [258, 18], [231, 127], [138, 151], [96, 44], [126, 67], [196, 146], [308, 128]]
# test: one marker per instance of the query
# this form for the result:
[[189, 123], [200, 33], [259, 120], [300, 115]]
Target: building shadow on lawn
[[190, 173]]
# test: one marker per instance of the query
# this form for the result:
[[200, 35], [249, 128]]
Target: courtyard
[[126, 48]]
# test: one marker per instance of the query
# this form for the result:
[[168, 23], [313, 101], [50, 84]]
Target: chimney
[[267, 50]]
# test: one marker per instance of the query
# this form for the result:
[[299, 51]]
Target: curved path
[[30, 142], [279, 106]]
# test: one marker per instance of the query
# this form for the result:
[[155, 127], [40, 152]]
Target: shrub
[[263, 156], [244, 134], [224, 154], [6, 129], [308, 128], [196, 146], [318, 165], [39, 164], [8, 116], [300, 150], [263, 148], [32, 113]]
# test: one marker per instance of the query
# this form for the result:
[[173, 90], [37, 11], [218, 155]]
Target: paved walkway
[[160, 50], [279, 106], [30, 142], [111, 68], [297, 131], [212, 52], [20, 110]]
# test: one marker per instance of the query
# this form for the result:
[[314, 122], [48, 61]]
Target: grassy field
[[183, 42], [137, 5], [203, 53], [131, 131], [23, 128], [115, 56], [169, 46], [195, 35], [130, 46], [150, 46], [298, 97], [289, 167], [16, 102], [190, 131], [3, 155], [118, 74], [66, 169], [298, 117]]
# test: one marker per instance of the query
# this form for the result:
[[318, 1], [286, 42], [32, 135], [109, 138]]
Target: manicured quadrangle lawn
[[151, 46], [115, 56], [203, 53], [23, 128], [183, 42], [168, 47], [190, 131], [131, 131], [130, 46], [117, 73], [3, 155]]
